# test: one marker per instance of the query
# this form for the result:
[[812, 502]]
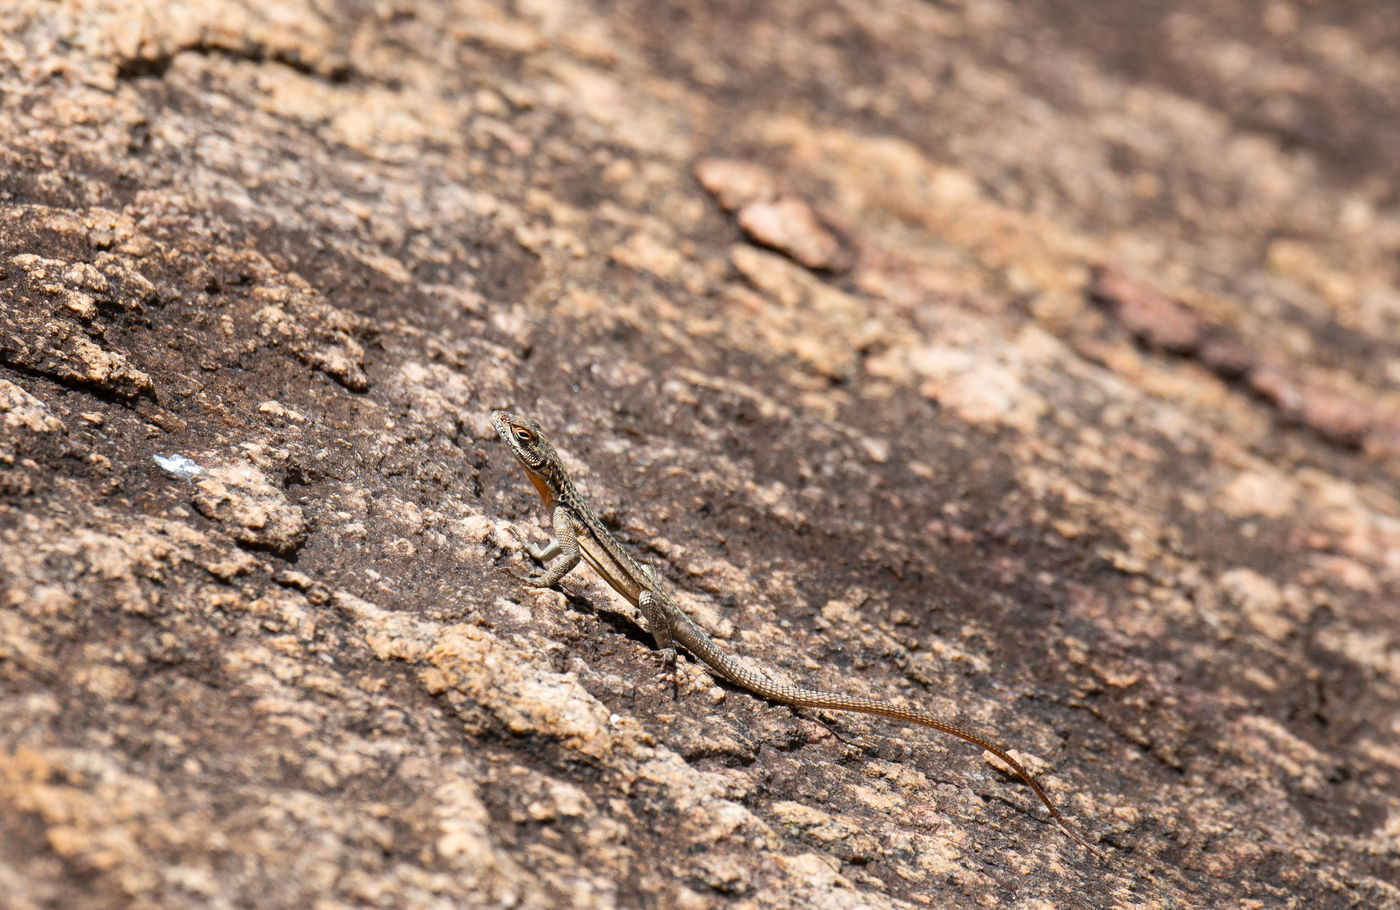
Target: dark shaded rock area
[[1034, 363]]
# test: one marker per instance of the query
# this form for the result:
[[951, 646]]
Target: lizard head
[[525, 439]]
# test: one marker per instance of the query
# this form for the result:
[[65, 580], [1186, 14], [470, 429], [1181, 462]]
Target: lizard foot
[[667, 670], [530, 549]]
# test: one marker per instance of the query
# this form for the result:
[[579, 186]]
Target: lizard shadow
[[623, 624], [614, 619]]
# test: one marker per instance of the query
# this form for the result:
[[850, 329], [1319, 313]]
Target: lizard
[[580, 535]]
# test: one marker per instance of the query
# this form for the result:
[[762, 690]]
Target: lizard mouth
[[502, 420]]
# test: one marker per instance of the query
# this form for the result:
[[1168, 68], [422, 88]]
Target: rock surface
[[266, 267]]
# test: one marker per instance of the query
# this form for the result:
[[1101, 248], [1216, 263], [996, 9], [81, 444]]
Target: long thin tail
[[726, 665]]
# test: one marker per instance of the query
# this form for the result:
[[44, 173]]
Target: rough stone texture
[[296, 251]]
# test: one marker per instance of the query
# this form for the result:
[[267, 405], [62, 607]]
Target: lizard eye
[[523, 435]]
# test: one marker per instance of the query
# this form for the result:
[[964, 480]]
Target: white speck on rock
[[178, 466]]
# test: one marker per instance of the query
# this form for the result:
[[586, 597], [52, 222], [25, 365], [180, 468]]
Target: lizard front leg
[[563, 549]]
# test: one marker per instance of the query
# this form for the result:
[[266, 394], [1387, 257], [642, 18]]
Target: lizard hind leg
[[659, 624]]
